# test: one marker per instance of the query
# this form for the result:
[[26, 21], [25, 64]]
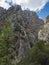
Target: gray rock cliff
[[26, 27]]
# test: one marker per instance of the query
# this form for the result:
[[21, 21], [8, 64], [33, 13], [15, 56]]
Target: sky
[[39, 6], [43, 13]]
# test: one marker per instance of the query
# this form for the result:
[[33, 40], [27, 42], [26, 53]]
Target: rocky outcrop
[[26, 27], [2, 16], [47, 19], [44, 32]]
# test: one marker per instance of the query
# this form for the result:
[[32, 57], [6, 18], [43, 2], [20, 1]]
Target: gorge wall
[[26, 27]]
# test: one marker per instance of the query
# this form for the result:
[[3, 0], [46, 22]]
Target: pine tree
[[6, 43]]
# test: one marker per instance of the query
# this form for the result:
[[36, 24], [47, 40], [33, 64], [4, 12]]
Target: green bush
[[38, 55]]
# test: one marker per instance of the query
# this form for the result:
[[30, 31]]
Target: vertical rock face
[[44, 32], [47, 19], [2, 16], [26, 27]]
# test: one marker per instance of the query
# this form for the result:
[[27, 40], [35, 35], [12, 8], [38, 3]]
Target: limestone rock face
[[26, 27], [44, 32], [27, 24], [47, 19]]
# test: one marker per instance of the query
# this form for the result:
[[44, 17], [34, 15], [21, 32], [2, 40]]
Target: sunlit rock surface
[[44, 32]]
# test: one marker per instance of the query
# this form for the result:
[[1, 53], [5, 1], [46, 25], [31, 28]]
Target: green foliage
[[6, 46], [38, 55]]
